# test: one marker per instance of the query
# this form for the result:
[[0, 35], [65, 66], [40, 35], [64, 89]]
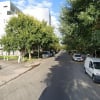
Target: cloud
[[32, 3], [56, 24], [20, 4], [38, 13], [45, 4]]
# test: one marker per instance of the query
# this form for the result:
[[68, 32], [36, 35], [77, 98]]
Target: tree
[[20, 33], [78, 23], [24, 32]]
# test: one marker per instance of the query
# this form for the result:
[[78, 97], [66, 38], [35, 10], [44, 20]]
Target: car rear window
[[78, 55]]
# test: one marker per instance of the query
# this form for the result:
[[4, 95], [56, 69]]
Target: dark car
[[46, 54]]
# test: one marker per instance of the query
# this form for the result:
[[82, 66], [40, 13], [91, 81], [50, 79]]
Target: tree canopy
[[80, 25], [24, 33]]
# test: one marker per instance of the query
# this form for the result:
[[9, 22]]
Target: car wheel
[[93, 78]]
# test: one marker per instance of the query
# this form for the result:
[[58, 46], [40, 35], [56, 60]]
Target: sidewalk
[[11, 70]]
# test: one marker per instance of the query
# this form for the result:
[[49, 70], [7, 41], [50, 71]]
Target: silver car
[[77, 57], [46, 54]]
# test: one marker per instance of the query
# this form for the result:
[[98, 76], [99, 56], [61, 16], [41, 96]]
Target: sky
[[27, 6]]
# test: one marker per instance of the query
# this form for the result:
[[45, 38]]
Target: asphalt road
[[67, 81], [57, 78]]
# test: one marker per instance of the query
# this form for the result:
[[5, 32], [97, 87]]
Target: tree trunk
[[95, 53], [19, 57], [30, 55], [38, 51]]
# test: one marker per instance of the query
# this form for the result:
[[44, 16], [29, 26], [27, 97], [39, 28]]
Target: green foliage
[[9, 57], [25, 32], [79, 23]]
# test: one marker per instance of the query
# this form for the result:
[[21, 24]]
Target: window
[[5, 6], [97, 65], [91, 64], [9, 12], [77, 55]]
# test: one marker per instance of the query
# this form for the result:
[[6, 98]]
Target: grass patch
[[25, 59], [9, 57]]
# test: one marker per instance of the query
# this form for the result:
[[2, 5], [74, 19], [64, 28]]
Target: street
[[56, 78]]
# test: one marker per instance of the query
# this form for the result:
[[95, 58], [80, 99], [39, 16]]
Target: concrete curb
[[18, 72]]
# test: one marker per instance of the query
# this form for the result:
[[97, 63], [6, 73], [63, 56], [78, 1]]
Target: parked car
[[77, 57], [52, 53], [92, 68], [46, 54]]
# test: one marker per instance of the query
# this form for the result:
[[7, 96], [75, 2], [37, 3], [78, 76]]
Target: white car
[[92, 68], [77, 57]]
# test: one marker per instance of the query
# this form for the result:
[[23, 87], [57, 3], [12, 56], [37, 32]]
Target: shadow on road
[[67, 81], [56, 81]]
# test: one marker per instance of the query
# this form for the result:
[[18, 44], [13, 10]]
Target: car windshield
[[78, 55], [97, 65]]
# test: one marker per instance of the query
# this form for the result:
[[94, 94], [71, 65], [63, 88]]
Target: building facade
[[7, 10], [42, 15]]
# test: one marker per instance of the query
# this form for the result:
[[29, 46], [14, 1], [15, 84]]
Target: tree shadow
[[66, 81], [56, 81]]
